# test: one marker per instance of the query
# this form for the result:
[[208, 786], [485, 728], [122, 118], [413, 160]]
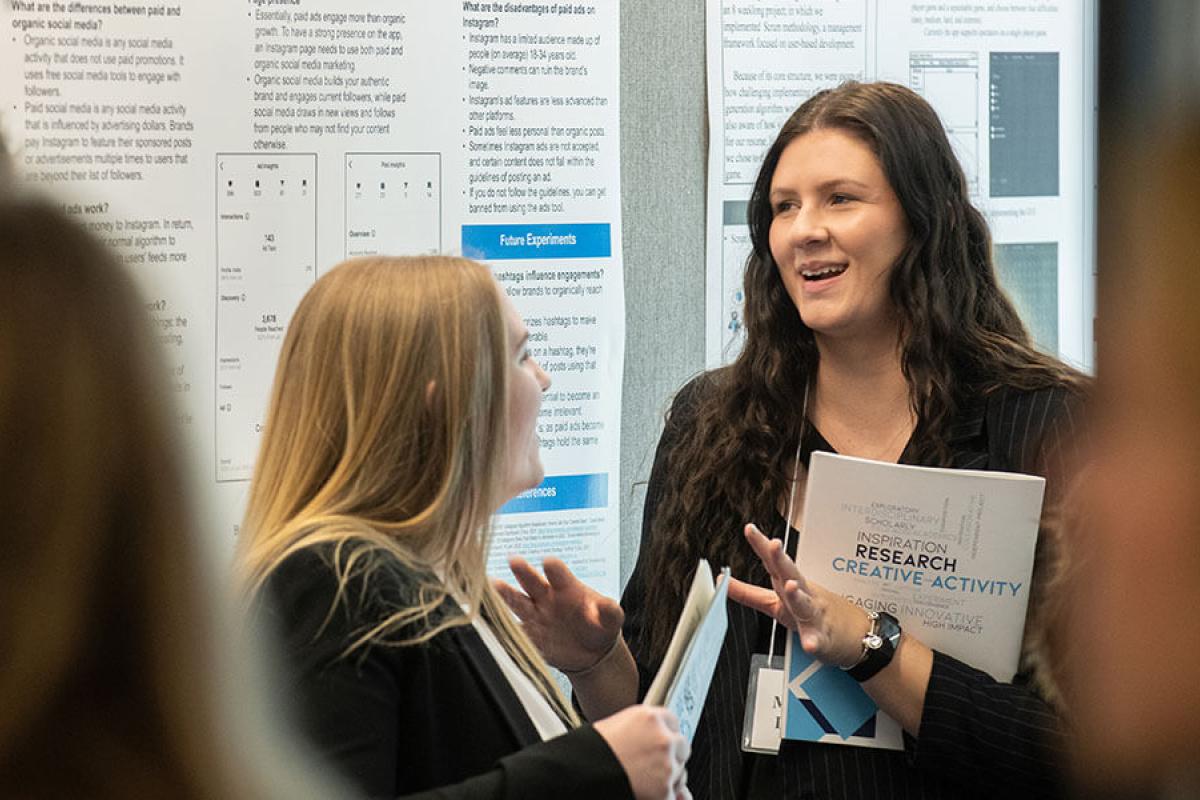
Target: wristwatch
[[879, 645]]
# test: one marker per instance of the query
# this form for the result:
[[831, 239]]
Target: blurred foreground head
[[1133, 659], [96, 587], [111, 675], [1134, 635]]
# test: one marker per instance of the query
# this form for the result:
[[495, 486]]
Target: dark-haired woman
[[873, 312]]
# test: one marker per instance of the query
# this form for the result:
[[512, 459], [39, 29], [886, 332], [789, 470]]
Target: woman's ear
[[430, 391]]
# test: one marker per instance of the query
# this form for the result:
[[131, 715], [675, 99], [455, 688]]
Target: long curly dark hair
[[961, 337]]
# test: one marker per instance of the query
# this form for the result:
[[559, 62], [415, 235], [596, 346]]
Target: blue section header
[[562, 493], [499, 242]]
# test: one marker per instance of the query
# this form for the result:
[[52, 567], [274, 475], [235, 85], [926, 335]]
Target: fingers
[[611, 615], [765, 601], [799, 603], [753, 535], [679, 788], [789, 600], [654, 754], [680, 748], [762, 546], [531, 581], [779, 564], [679, 780], [682, 751], [770, 552], [560, 577], [596, 608], [521, 605]]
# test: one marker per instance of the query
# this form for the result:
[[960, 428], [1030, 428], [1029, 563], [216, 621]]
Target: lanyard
[[787, 523]]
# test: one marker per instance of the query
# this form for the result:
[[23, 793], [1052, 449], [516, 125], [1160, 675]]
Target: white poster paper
[[232, 151], [1014, 84]]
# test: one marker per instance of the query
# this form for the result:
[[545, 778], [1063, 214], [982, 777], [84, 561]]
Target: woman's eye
[[784, 206], [840, 199]]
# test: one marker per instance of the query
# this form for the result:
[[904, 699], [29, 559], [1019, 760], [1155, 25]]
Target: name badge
[[762, 729]]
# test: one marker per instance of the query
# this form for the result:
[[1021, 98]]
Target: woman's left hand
[[831, 628], [572, 625]]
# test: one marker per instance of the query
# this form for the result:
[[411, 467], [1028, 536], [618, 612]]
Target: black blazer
[[397, 720], [978, 737]]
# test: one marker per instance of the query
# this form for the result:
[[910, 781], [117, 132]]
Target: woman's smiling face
[[837, 231]]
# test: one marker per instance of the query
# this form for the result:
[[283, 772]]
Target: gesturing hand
[[830, 628], [572, 625]]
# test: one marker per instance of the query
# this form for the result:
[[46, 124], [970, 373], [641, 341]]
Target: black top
[[978, 737], [402, 719]]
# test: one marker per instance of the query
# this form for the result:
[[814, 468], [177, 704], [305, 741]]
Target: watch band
[[879, 646]]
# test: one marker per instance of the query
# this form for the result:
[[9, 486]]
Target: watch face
[[873, 641]]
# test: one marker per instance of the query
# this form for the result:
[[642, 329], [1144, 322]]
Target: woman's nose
[[808, 228], [542, 378]]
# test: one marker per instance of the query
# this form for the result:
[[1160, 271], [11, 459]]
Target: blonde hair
[[386, 439]]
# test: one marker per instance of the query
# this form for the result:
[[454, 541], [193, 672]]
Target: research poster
[[233, 151], [1014, 85]]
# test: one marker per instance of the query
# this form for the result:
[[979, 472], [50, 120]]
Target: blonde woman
[[403, 415]]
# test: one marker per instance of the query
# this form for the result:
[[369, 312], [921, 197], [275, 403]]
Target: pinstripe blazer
[[978, 737]]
